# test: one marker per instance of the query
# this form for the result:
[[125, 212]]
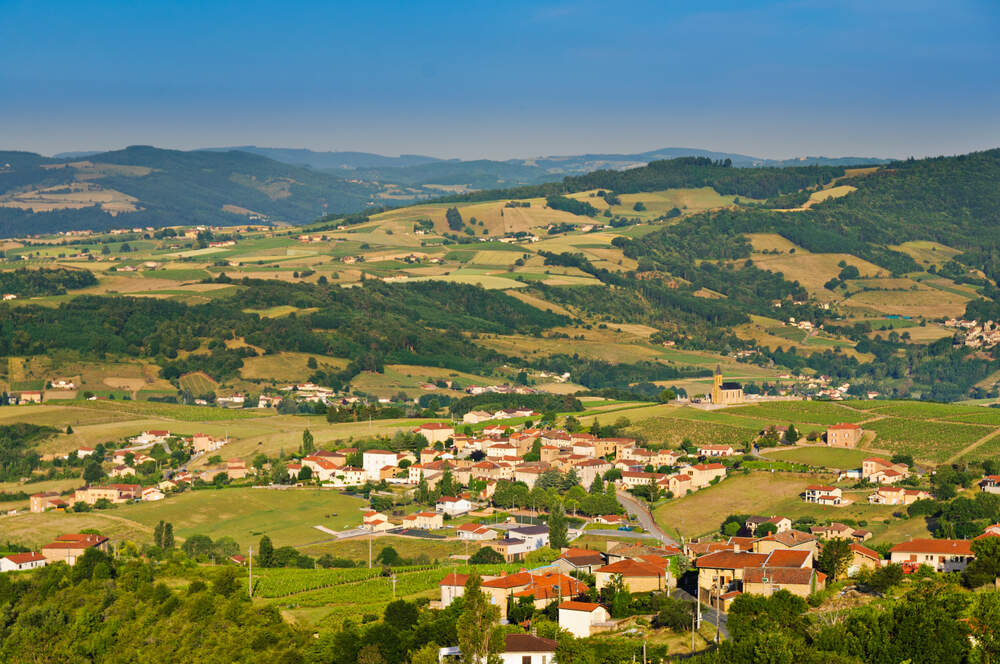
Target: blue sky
[[504, 79]]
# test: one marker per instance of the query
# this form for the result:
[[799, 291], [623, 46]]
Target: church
[[725, 394]]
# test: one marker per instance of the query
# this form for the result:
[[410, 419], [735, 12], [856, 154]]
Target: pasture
[[819, 455], [245, 514], [763, 493]]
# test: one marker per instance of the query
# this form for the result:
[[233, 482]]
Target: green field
[[176, 411], [673, 430], [925, 439], [766, 494], [819, 455], [287, 517], [812, 412], [327, 597], [198, 383]]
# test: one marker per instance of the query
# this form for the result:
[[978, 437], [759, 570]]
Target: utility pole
[[393, 580], [250, 563], [369, 551], [718, 627], [693, 621]]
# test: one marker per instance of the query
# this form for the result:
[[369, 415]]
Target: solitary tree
[[479, 639], [834, 558], [265, 552], [307, 442], [558, 536], [92, 472]]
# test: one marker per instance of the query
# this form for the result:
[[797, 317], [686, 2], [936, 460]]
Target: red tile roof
[[787, 558], [587, 607], [21, 558], [454, 579], [632, 568], [731, 560], [844, 425], [940, 546]]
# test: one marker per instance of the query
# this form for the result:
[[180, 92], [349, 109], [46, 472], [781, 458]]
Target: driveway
[[707, 612], [634, 507]]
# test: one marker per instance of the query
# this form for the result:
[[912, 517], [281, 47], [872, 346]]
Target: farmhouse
[[801, 581], [40, 502], [891, 495], [862, 558], [424, 521], [579, 560], [881, 471], [453, 506], [844, 435], [67, 548], [638, 576], [17, 562], [944, 555], [823, 494], [30, 396], [476, 416], [716, 450], [990, 484], [116, 493], [435, 432], [475, 532]]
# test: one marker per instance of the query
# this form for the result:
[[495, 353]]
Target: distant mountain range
[[420, 171], [148, 186]]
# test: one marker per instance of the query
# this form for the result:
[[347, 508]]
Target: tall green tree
[[835, 557], [308, 447], [265, 552], [558, 528], [479, 639], [168, 535]]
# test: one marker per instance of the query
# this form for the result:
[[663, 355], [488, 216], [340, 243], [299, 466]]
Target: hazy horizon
[[519, 80]]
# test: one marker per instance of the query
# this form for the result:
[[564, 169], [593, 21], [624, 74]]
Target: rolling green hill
[[145, 186]]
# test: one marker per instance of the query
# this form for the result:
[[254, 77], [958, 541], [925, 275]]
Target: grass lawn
[[287, 516]]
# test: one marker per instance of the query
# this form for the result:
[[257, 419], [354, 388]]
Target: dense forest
[[17, 459], [424, 323], [44, 281], [683, 172]]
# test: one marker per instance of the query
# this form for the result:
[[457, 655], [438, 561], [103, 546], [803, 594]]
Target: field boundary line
[[974, 446]]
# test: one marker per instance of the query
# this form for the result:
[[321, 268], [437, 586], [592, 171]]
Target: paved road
[[707, 612], [639, 511], [620, 533]]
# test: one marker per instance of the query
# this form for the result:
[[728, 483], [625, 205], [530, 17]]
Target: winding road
[[645, 519]]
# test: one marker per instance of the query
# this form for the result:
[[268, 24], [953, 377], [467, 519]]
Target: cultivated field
[[766, 494]]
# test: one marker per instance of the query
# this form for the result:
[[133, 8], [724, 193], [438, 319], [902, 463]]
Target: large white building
[[373, 461]]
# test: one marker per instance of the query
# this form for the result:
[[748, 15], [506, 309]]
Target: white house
[[152, 493], [534, 537], [16, 562], [373, 461], [579, 618], [944, 555], [453, 506]]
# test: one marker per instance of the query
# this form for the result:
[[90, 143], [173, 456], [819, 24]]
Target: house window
[[526, 659]]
